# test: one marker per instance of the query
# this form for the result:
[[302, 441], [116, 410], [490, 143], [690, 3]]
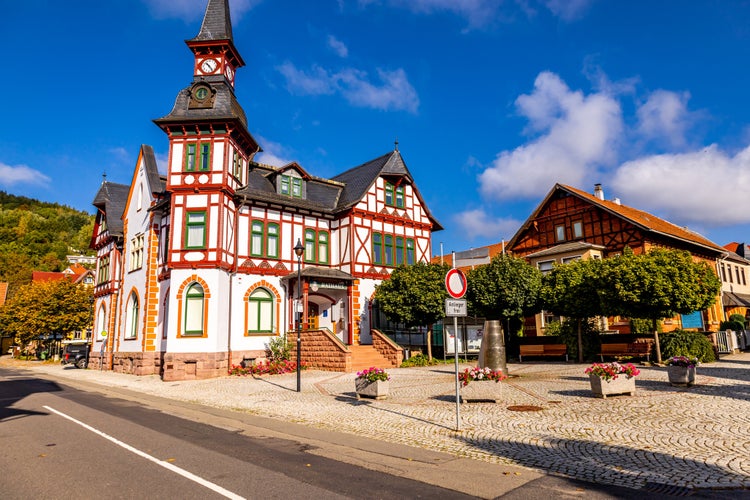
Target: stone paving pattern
[[663, 438]]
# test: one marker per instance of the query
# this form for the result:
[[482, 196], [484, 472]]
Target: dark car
[[76, 354]]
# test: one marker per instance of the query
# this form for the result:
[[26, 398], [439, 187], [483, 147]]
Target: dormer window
[[291, 186]]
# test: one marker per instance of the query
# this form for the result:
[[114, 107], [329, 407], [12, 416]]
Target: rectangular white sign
[[455, 308]]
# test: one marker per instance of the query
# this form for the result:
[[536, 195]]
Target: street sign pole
[[455, 284]]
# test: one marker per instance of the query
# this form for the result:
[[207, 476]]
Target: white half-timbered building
[[196, 268]]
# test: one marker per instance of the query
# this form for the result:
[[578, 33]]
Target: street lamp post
[[298, 250]]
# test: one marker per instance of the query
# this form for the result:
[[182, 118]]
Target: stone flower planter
[[372, 390], [603, 388], [486, 391], [681, 375]]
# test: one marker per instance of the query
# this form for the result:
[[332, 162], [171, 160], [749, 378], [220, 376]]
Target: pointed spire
[[217, 24], [395, 144]]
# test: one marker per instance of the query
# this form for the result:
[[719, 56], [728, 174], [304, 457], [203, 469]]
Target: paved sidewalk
[[662, 440]]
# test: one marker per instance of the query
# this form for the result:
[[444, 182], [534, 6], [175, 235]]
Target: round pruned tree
[[659, 284], [415, 296], [45, 307], [572, 290]]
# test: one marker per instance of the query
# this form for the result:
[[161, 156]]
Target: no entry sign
[[455, 283]]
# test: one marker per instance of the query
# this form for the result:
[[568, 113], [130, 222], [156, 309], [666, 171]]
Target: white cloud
[[480, 13], [579, 134], [190, 10], [274, 153], [338, 46], [478, 224], [392, 91], [704, 187], [664, 116], [12, 175]]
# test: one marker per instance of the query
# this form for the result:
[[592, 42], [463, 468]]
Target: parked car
[[76, 354]]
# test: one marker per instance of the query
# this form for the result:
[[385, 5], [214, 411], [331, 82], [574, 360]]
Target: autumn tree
[[45, 307], [572, 290], [659, 284], [415, 296]]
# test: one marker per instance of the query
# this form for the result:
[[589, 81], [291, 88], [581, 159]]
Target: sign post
[[456, 284]]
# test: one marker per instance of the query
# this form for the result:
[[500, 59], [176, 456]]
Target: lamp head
[[298, 248]]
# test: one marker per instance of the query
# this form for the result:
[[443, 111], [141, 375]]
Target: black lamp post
[[298, 250]]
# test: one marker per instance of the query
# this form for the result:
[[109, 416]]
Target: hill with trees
[[37, 236]]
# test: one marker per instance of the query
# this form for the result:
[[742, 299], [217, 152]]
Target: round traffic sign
[[455, 283]]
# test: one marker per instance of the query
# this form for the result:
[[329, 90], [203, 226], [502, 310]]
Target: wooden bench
[[543, 350], [634, 349]]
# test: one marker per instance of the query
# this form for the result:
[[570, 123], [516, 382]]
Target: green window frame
[[400, 196], [260, 311], [272, 240], [190, 156], [285, 185], [237, 165], [256, 239], [399, 250], [194, 311], [377, 248], [388, 250], [296, 187], [389, 194], [309, 245], [195, 229], [205, 157], [410, 260], [131, 331], [323, 247]]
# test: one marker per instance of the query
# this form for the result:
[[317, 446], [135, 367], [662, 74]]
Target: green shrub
[[738, 318], [418, 360], [644, 326], [735, 326], [690, 344], [278, 348]]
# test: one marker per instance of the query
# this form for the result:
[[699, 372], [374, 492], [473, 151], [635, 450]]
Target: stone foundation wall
[[136, 363], [195, 365], [321, 351]]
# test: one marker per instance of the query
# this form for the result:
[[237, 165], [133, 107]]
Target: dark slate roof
[[156, 182], [320, 273], [217, 24], [111, 199], [358, 180], [225, 107], [321, 196]]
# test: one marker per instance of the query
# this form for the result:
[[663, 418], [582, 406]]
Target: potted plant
[[476, 384], [681, 370], [612, 378], [372, 383]]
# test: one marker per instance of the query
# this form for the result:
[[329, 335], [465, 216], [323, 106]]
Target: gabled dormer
[[291, 180]]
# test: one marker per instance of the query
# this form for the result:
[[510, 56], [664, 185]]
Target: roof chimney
[[598, 191]]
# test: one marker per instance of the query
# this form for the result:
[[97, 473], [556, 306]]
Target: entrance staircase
[[366, 356]]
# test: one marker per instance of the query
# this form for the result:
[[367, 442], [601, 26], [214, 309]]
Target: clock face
[[229, 72], [209, 65]]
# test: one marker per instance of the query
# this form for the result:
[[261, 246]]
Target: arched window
[[101, 322], [260, 311], [131, 320], [194, 310]]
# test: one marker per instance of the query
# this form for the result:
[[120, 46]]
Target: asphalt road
[[60, 442]]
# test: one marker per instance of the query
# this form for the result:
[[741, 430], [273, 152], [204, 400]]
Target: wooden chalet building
[[196, 268], [572, 224]]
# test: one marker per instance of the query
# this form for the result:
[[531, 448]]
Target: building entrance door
[[312, 316]]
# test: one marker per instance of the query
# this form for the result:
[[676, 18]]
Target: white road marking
[[182, 472]]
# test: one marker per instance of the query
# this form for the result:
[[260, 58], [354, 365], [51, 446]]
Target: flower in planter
[[373, 374], [480, 374], [610, 371], [685, 361]]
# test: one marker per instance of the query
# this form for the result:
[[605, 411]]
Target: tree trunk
[[580, 342], [429, 343], [656, 341]]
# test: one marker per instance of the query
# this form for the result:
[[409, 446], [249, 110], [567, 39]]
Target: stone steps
[[366, 356]]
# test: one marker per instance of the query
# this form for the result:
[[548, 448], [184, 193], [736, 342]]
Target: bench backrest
[[616, 348]]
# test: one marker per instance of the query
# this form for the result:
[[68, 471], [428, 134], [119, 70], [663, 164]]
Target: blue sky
[[492, 102]]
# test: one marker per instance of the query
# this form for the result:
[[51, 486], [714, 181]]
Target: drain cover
[[525, 408]]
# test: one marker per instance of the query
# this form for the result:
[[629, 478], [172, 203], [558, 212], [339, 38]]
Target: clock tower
[[209, 149]]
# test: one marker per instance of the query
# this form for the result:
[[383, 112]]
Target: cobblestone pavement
[[663, 439]]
